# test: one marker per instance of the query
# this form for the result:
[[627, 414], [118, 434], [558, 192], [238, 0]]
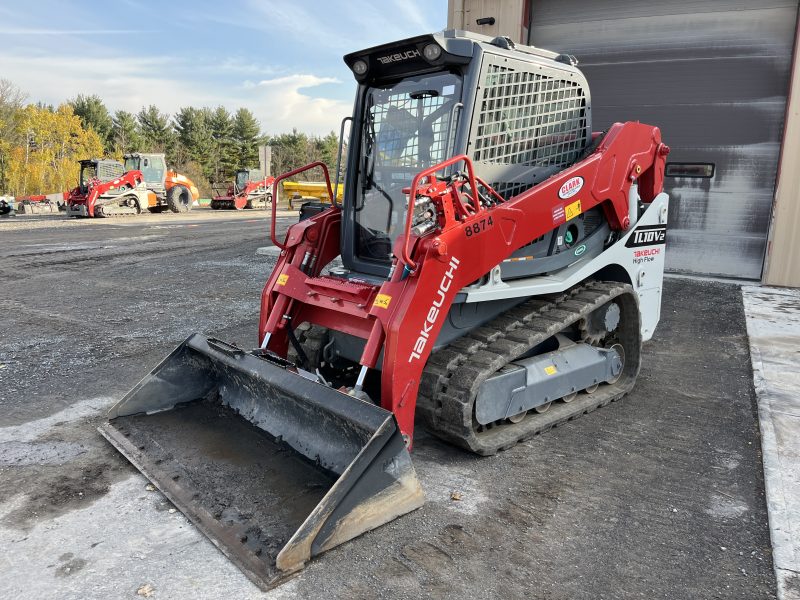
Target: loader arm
[[131, 179], [403, 316]]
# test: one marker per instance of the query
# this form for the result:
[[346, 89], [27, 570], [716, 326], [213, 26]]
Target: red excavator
[[501, 265]]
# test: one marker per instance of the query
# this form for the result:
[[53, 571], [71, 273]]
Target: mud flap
[[273, 467]]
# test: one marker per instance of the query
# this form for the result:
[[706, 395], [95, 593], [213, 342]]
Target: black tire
[[179, 199]]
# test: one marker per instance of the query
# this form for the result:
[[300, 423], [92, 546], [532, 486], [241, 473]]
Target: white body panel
[[644, 265]]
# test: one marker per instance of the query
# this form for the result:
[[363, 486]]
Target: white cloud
[[298, 81], [285, 101], [128, 83]]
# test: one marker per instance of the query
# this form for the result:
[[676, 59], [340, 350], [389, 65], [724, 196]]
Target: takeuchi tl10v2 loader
[[107, 188], [501, 266]]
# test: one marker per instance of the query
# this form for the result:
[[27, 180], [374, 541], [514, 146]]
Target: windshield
[[131, 164], [241, 180], [88, 172], [408, 126]]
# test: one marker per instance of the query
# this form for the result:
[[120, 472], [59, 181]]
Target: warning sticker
[[282, 279], [573, 210], [550, 369], [382, 301]]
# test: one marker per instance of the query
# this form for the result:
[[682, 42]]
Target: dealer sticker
[[571, 187]]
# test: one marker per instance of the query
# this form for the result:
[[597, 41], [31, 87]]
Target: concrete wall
[[510, 17], [783, 250]]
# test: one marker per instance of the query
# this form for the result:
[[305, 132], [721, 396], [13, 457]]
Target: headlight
[[359, 67], [432, 51]]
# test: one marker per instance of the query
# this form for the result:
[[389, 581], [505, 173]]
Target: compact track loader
[[107, 188], [501, 265]]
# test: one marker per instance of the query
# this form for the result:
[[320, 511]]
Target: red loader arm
[[97, 188]]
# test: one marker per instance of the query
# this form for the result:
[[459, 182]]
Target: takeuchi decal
[[571, 187]]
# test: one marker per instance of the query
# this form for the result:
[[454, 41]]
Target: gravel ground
[[660, 495]]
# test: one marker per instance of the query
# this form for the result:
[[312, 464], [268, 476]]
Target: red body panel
[[404, 315], [240, 199], [96, 188]]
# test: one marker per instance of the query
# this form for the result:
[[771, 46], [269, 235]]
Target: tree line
[[41, 144]]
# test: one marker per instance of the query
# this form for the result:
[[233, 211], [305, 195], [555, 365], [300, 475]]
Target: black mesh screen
[[529, 118]]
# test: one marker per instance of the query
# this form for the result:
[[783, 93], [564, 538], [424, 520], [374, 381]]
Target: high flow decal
[[434, 310], [571, 187], [647, 255], [647, 235]]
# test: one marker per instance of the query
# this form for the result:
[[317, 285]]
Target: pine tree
[[225, 161], [125, 136], [94, 114], [194, 136], [246, 130], [156, 131], [289, 151]]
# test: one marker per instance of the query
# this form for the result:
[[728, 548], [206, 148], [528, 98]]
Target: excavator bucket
[[273, 466]]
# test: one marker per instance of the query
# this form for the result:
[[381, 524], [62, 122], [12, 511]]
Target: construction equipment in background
[[250, 189], [6, 205], [104, 189], [107, 188], [172, 190], [39, 204], [501, 267], [310, 191]]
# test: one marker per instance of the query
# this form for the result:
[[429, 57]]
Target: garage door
[[714, 75]]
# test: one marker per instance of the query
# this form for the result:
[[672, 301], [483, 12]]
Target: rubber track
[[453, 375]]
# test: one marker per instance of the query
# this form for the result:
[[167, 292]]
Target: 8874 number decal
[[478, 226]]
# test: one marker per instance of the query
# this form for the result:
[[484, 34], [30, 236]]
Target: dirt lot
[[659, 495]]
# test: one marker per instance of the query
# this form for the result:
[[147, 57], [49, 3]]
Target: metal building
[[715, 75]]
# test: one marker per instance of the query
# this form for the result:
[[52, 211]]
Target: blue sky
[[280, 58]]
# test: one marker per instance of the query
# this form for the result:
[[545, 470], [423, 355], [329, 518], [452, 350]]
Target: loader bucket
[[272, 466]]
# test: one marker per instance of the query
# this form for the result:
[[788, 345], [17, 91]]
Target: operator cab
[[245, 176], [241, 180], [98, 170], [521, 114], [152, 166]]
